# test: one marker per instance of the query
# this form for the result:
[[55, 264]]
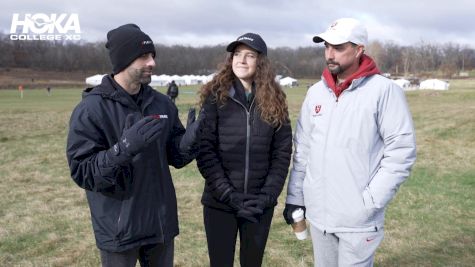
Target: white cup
[[299, 225]]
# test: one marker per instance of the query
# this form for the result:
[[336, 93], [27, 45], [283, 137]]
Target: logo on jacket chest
[[317, 110], [159, 116]]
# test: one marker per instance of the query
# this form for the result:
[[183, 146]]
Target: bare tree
[[302, 62]]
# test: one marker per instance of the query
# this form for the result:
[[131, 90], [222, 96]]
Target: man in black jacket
[[172, 91], [122, 137]]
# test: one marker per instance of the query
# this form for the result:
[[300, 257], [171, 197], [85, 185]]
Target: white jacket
[[351, 154]]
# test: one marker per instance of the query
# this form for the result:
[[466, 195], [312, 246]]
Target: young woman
[[246, 143]]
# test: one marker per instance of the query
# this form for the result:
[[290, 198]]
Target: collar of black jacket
[[239, 93], [110, 89]]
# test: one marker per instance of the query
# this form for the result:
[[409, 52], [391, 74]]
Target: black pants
[[148, 255], [221, 232]]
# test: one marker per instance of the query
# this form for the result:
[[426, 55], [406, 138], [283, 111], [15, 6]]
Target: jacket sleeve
[[301, 151], [177, 157], [397, 131], [281, 150], [86, 152], [208, 160]]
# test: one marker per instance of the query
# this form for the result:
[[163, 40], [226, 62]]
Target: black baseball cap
[[252, 40]]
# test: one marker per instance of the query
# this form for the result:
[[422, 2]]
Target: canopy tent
[[162, 80], [95, 79], [434, 84], [403, 83], [288, 81], [179, 80]]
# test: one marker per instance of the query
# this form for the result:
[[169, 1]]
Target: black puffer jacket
[[241, 152], [130, 205]]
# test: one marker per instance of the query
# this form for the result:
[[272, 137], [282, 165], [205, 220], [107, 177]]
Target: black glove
[[236, 201], [261, 202], [191, 117], [289, 209], [135, 138], [246, 214], [190, 141]]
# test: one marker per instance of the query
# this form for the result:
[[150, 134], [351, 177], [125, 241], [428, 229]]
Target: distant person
[[122, 137], [354, 147], [245, 151], [172, 91], [20, 89], [48, 90]]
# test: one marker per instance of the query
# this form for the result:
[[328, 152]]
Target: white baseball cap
[[344, 30]]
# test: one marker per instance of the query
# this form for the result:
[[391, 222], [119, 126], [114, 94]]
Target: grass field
[[45, 221]]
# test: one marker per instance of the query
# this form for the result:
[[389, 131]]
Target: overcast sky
[[290, 23]]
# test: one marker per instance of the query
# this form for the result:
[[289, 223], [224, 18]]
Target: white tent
[[179, 80], [160, 80], [208, 78], [434, 84], [164, 79], [95, 79], [288, 81], [192, 79], [403, 83]]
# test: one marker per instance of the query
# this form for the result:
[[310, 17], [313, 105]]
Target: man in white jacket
[[354, 147]]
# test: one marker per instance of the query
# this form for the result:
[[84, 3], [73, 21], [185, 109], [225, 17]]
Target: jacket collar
[[110, 89], [238, 92]]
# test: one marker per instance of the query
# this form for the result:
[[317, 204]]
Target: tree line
[[443, 60]]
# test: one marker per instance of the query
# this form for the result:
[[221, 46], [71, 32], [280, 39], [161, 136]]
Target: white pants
[[345, 249]]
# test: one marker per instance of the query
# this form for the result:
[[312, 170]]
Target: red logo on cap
[[318, 108]]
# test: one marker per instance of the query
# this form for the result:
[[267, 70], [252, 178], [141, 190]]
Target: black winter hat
[[250, 39], [125, 44]]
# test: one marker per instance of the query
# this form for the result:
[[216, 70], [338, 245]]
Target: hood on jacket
[[367, 68]]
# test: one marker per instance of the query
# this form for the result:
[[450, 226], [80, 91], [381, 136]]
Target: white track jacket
[[351, 154]]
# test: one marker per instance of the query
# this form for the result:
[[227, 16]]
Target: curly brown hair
[[270, 98]]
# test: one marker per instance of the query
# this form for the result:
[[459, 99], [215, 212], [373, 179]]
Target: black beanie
[[125, 44]]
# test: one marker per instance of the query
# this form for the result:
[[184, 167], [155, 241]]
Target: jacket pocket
[[368, 202], [137, 221], [347, 179]]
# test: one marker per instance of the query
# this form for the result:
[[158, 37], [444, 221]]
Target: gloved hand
[[289, 209], [191, 116], [236, 201], [135, 138], [190, 141], [261, 202], [246, 214]]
